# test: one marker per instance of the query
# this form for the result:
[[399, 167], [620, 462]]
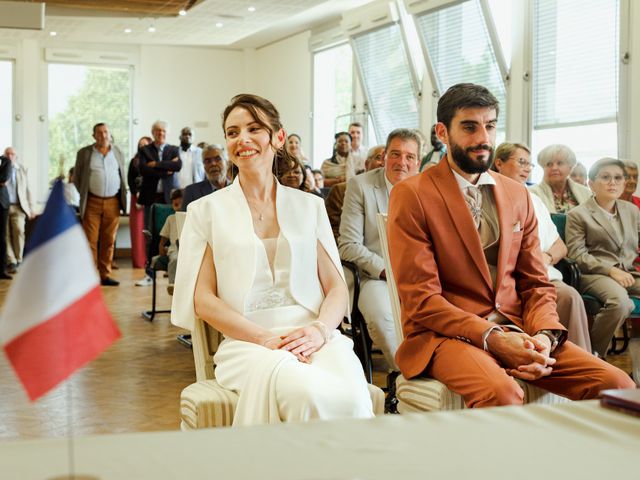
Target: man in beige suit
[[359, 242], [602, 237], [21, 208]]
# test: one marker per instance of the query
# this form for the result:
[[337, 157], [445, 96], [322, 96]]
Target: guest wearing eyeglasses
[[602, 237], [558, 192], [513, 160]]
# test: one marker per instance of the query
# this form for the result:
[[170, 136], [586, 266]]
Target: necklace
[[259, 213]]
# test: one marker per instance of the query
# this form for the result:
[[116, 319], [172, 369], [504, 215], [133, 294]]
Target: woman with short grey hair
[[558, 192]]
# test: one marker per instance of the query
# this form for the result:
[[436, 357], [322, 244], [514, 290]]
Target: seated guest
[[359, 242], [558, 192], [270, 281], [602, 237], [293, 175], [437, 152], [294, 147], [477, 308], [310, 182], [341, 167], [631, 169], [579, 174], [319, 178], [215, 169], [168, 247], [512, 160], [335, 198]]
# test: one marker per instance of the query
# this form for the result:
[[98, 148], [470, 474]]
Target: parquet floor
[[132, 387]]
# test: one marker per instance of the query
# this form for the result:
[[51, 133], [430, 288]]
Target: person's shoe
[[109, 282], [145, 282], [170, 288], [5, 276], [12, 268]]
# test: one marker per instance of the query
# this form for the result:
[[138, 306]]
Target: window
[[575, 77], [388, 80], [502, 14], [6, 104], [460, 50], [79, 97], [332, 97]]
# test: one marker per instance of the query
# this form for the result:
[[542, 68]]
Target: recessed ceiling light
[[127, 30], [182, 12], [151, 29], [219, 24], [53, 34], [252, 9]]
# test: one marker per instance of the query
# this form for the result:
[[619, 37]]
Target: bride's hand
[[273, 343], [303, 341]]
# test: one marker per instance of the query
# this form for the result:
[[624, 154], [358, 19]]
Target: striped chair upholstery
[[206, 404], [427, 394]]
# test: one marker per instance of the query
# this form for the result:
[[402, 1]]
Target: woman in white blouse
[[513, 161]]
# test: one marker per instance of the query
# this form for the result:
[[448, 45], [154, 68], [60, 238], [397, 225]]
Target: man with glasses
[[215, 168], [602, 237]]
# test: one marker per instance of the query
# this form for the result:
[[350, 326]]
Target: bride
[[259, 263]]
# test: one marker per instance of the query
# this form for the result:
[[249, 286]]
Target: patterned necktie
[[473, 197]]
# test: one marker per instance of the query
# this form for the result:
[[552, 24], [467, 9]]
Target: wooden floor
[[133, 387]]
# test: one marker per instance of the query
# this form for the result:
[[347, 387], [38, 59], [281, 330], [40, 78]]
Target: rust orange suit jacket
[[443, 278]]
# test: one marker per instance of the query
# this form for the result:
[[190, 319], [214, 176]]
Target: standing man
[[158, 163], [192, 170], [5, 174], [358, 150], [21, 207], [215, 167], [99, 178], [477, 308], [359, 242]]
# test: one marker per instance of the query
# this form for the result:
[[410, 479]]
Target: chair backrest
[[205, 341], [391, 281], [158, 216], [560, 221]]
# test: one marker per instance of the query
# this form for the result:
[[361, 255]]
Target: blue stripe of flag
[[57, 217]]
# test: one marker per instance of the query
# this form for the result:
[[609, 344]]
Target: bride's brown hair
[[266, 115]]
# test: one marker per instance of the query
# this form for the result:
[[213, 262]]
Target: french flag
[[54, 319]]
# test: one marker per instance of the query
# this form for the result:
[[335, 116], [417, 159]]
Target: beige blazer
[[543, 190], [592, 241], [359, 241]]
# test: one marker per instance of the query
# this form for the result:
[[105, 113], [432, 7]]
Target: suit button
[[498, 306]]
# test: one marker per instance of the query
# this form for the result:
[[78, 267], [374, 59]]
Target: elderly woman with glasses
[[558, 192], [602, 237], [512, 160]]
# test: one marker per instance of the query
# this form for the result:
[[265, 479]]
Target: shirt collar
[[388, 183], [483, 179]]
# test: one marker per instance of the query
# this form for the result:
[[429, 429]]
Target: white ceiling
[[271, 21]]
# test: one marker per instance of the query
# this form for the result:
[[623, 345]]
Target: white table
[[577, 440]]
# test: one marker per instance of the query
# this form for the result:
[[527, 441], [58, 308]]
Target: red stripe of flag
[[48, 353]]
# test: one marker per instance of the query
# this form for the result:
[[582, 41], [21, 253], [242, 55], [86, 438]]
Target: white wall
[[281, 72], [186, 86]]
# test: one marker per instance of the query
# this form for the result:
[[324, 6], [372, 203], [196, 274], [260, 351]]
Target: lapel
[[599, 216], [380, 192], [454, 202], [505, 220]]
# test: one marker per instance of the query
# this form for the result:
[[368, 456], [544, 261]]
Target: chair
[[158, 216], [359, 334], [205, 403], [426, 394], [592, 304]]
